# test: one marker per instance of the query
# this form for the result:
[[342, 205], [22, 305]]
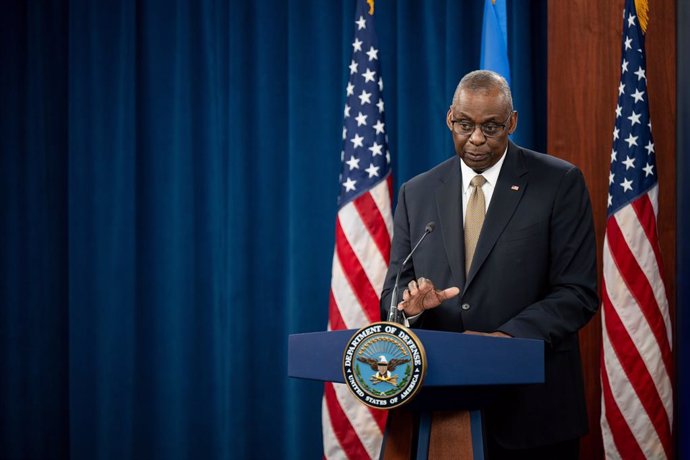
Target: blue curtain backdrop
[[168, 177]]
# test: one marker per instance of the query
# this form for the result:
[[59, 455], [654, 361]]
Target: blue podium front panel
[[453, 359]]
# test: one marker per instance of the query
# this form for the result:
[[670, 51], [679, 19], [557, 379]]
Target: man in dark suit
[[514, 256]]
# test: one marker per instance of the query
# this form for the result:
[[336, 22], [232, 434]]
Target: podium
[[463, 373]]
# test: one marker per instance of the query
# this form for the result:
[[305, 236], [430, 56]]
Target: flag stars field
[[364, 127], [629, 163], [637, 95], [628, 43], [361, 23], [369, 75], [357, 141], [372, 170], [376, 149], [361, 119], [353, 67], [350, 184], [634, 118], [353, 163]]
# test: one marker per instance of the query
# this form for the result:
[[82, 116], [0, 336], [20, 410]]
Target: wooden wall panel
[[584, 53]]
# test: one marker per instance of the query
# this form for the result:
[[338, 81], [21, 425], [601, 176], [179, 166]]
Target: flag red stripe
[[379, 416], [645, 213], [376, 226], [347, 436], [334, 316], [357, 278], [639, 287], [623, 438], [637, 373]]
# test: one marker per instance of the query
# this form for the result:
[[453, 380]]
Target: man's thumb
[[449, 293]]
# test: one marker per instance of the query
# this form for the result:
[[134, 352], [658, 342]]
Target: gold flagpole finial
[[642, 8], [371, 7]]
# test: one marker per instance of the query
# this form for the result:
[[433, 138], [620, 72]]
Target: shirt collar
[[491, 174]]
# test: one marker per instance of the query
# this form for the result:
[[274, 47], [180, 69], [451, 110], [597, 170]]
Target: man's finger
[[448, 293], [412, 286], [424, 284]]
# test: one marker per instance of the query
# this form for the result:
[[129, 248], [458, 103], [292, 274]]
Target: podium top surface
[[453, 359]]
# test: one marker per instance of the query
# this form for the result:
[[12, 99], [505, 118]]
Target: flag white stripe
[[368, 254], [654, 197]]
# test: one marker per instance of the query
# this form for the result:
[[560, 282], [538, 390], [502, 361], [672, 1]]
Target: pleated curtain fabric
[[153, 152]]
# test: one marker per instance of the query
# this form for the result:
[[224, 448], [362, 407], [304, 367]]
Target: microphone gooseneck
[[394, 315]]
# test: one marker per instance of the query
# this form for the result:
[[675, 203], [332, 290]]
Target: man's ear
[[513, 122], [449, 117]]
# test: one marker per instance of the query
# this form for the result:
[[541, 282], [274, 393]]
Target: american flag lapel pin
[[515, 188]]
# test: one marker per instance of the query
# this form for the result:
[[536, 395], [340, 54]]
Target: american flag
[[637, 394], [363, 231]]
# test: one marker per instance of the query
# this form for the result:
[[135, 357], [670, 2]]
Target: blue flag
[[495, 39]]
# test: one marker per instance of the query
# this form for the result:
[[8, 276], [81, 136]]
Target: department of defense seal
[[384, 365]]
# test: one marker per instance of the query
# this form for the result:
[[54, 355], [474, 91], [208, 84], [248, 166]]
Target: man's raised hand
[[420, 295]]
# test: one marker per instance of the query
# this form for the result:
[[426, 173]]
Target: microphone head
[[430, 227]]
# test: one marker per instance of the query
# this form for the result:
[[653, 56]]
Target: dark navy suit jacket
[[533, 276]]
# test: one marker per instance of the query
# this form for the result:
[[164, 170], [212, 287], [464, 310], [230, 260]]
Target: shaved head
[[484, 81]]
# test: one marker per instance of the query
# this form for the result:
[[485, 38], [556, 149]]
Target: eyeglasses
[[489, 129]]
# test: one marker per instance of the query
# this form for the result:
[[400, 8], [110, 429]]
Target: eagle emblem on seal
[[383, 368]]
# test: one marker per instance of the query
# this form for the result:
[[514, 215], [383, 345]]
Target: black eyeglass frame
[[488, 125]]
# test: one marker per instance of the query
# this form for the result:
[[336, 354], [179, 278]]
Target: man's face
[[478, 151]]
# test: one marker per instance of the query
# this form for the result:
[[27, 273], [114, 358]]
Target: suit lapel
[[510, 186], [449, 207]]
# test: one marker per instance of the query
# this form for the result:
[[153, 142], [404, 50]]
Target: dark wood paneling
[[583, 70]]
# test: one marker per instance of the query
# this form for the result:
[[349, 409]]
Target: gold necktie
[[474, 219]]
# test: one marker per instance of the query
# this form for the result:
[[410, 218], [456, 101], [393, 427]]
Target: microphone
[[393, 312]]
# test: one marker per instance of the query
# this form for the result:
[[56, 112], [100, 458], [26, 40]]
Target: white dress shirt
[[491, 176]]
